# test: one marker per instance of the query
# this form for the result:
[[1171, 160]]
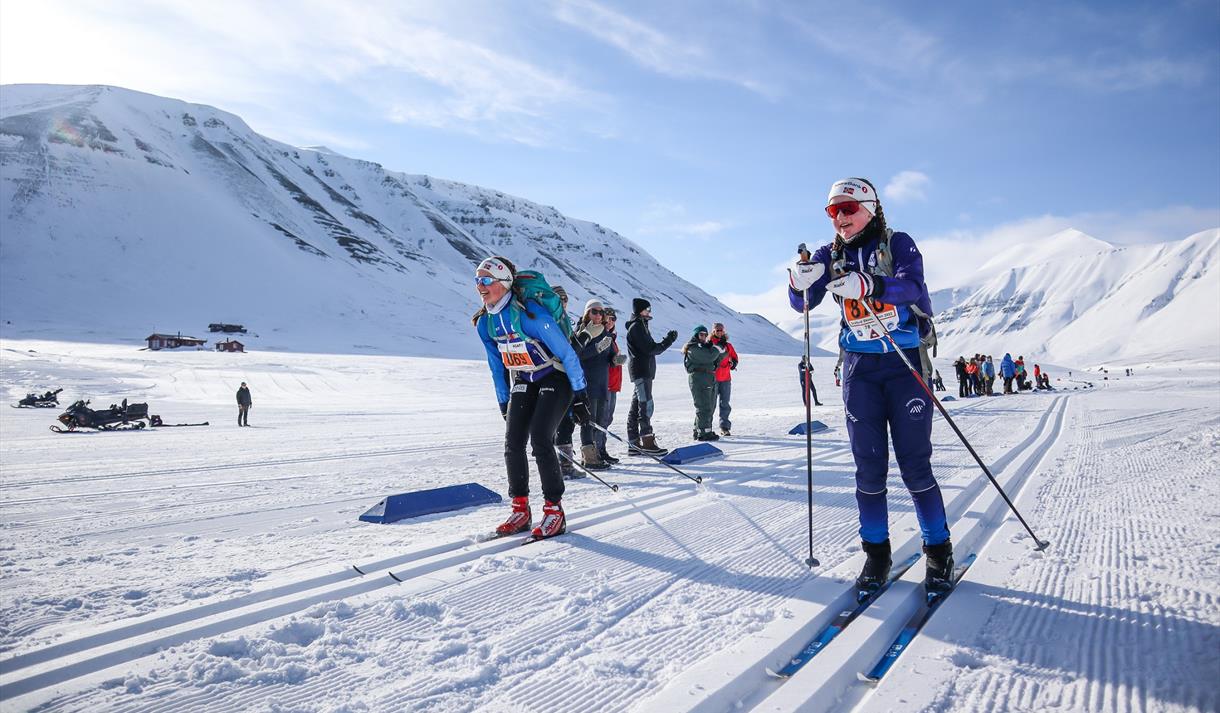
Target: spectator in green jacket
[[702, 358]]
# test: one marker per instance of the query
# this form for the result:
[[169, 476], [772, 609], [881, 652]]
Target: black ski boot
[[939, 560], [876, 568]]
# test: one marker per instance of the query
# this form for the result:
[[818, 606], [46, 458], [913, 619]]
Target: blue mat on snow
[[690, 454], [812, 427], [426, 502]]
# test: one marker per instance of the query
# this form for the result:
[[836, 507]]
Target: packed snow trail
[[1122, 613], [669, 555]]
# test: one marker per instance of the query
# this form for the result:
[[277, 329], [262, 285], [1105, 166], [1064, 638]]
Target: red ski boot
[[519, 520], [553, 521]]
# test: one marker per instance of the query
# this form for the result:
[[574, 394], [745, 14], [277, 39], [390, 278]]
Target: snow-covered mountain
[[1070, 298], [1076, 299], [125, 213]]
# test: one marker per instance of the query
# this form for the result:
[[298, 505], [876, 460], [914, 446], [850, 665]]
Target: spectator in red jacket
[[610, 320], [724, 376]]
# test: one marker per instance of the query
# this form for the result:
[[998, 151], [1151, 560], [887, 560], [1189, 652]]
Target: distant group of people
[[977, 375]]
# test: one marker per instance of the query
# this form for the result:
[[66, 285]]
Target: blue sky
[[709, 132]]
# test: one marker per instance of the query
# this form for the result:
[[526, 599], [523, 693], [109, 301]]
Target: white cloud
[[398, 59], [907, 186], [658, 51], [669, 219]]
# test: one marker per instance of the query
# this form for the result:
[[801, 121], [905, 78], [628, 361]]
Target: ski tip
[[394, 577], [775, 674], [812, 562], [358, 570], [866, 678]]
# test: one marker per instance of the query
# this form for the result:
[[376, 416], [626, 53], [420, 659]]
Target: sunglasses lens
[[846, 208], [484, 281], [596, 311]]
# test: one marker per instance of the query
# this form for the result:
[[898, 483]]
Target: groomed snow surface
[[210, 569]]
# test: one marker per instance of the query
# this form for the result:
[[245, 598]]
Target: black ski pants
[[243, 414], [535, 410]]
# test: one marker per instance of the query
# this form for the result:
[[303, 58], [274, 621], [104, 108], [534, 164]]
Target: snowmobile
[[116, 418], [47, 400]]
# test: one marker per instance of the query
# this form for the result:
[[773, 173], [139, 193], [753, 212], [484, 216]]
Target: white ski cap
[[497, 268], [855, 188], [594, 304]]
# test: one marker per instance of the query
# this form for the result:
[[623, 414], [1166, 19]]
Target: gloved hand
[[504, 409], [852, 286], [580, 408], [805, 274], [620, 359], [604, 343], [733, 365], [671, 335]]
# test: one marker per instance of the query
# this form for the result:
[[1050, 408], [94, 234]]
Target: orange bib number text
[[862, 323], [516, 357]]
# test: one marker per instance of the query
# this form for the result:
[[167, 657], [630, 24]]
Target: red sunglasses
[[846, 208]]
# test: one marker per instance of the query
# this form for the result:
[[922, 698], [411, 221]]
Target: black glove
[[671, 335], [504, 409], [580, 408]]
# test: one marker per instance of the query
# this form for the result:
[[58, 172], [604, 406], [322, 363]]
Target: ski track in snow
[[243, 581], [1121, 613]]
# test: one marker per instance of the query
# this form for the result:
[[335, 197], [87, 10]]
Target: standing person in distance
[[594, 347], [724, 376], [537, 376], [868, 261], [701, 359], [642, 368], [567, 426], [805, 371], [1008, 370], [244, 402], [614, 384]]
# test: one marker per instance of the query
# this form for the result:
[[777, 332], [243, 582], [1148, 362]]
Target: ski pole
[[1042, 544], [811, 561], [572, 460], [696, 478]]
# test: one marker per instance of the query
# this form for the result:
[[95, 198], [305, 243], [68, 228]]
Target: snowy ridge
[[1089, 302], [126, 213]]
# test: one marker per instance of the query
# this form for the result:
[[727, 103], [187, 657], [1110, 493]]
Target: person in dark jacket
[[876, 277], [244, 402], [642, 368], [959, 367], [701, 359], [806, 374], [724, 376], [594, 345], [614, 384]]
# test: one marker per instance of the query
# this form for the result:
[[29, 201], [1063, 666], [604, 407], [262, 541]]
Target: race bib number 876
[[862, 324]]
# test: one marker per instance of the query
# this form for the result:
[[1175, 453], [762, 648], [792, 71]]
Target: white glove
[[805, 274], [603, 344], [852, 286]]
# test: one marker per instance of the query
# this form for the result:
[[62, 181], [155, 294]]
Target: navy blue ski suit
[[879, 392]]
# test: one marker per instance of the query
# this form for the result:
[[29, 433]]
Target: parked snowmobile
[[117, 417], [47, 400]]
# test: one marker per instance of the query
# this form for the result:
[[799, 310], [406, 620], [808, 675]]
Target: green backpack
[[531, 285]]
